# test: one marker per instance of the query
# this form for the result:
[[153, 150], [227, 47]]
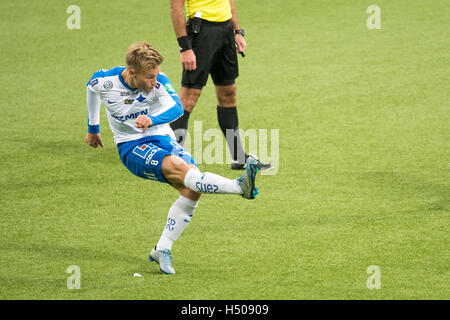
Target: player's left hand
[[143, 122], [241, 45]]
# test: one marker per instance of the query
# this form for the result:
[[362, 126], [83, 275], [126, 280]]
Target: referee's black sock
[[229, 123], [180, 126]]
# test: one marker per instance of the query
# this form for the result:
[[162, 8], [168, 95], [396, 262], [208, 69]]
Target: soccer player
[[140, 103], [209, 45]]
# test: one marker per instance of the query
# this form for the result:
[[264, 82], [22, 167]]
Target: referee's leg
[[189, 98], [227, 117]]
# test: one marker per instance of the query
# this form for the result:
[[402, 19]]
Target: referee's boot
[[164, 259], [235, 165]]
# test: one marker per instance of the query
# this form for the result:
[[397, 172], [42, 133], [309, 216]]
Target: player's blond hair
[[142, 57]]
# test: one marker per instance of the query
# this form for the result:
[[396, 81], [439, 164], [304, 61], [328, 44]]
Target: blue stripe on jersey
[[173, 113], [94, 128], [170, 115], [117, 71], [165, 81]]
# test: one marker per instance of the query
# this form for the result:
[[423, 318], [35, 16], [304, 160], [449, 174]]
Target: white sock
[[180, 214], [208, 182]]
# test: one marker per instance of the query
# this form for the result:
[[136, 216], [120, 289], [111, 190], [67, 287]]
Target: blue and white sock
[[208, 182]]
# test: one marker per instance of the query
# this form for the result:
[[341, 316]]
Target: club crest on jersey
[[169, 88], [107, 85]]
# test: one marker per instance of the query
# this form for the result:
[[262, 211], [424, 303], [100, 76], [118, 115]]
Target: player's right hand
[[143, 122], [188, 60], [94, 140]]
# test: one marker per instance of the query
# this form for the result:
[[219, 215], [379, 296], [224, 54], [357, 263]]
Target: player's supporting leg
[[178, 218], [189, 98]]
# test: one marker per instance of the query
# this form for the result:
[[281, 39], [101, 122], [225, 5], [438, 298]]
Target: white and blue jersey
[[124, 104], [141, 152]]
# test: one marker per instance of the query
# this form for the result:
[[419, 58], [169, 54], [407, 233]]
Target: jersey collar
[[124, 83]]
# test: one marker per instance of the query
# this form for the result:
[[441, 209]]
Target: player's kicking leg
[[180, 175]]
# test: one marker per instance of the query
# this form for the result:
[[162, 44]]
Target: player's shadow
[[30, 273], [72, 255]]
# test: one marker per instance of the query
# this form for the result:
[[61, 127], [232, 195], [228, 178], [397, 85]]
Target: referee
[[209, 43]]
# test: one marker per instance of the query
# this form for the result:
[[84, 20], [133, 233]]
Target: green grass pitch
[[364, 149]]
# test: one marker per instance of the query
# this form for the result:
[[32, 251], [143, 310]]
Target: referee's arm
[[234, 17], [178, 20], [239, 39], [187, 57]]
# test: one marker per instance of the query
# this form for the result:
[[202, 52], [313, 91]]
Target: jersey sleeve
[[172, 107], [93, 84], [94, 102], [93, 105]]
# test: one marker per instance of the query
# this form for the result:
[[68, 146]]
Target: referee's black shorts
[[215, 51]]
